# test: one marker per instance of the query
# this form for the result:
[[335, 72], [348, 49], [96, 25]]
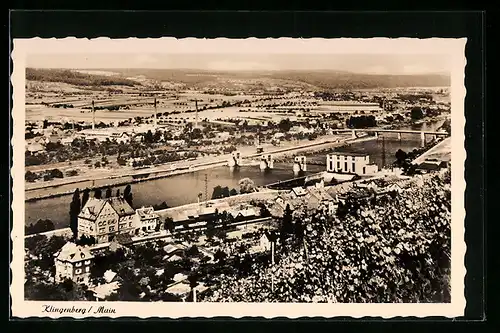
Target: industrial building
[[350, 163]]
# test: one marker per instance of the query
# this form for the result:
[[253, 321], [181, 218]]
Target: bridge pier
[[376, 135], [353, 134], [299, 164], [267, 162], [235, 159], [422, 139], [399, 136]]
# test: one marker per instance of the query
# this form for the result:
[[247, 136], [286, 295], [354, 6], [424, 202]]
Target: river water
[[183, 189]]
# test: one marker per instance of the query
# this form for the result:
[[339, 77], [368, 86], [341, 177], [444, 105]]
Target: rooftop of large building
[[93, 207], [73, 253], [339, 153]]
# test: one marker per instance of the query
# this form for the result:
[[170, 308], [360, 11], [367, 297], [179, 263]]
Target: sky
[[357, 63]]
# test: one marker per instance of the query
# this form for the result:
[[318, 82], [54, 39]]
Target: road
[[442, 148]]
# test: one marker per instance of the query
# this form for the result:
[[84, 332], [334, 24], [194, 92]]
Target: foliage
[[76, 78], [246, 185], [387, 250], [361, 122], [417, 113], [39, 226], [74, 210]]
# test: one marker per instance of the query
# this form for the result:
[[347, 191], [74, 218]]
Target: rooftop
[[93, 207], [340, 153], [73, 253]]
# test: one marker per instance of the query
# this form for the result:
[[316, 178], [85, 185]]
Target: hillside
[[346, 80], [311, 79], [200, 79], [76, 78]]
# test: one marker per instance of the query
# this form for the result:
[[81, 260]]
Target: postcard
[[238, 177]]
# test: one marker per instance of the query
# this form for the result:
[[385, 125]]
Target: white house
[[73, 262], [350, 163]]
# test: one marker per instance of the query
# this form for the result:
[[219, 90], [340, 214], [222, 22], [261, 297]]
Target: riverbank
[[261, 195], [154, 173]]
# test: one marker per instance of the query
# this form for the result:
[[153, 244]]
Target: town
[[324, 219]]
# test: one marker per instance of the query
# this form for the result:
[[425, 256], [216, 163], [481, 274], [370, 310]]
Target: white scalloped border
[[454, 47]]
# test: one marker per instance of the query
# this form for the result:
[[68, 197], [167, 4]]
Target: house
[[103, 219], [67, 140], [145, 219], [174, 249], [283, 202], [298, 192], [244, 214], [223, 135], [316, 197], [179, 277], [266, 240], [73, 262], [102, 291], [35, 148], [110, 276]]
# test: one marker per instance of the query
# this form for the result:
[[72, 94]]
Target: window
[[364, 170], [331, 165], [112, 228], [78, 264], [338, 165], [87, 262], [353, 167], [101, 230], [87, 269], [78, 271], [345, 166]]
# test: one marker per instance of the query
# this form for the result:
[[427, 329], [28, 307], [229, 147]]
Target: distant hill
[[319, 79], [76, 78], [346, 80], [201, 79]]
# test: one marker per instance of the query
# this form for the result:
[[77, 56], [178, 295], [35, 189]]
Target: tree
[[285, 125], [85, 196], [225, 192], [246, 185], [108, 192], [74, 210], [417, 113], [30, 176], [220, 256], [127, 194], [233, 192], [217, 193], [148, 137], [193, 251], [97, 193], [401, 156], [169, 224], [286, 223]]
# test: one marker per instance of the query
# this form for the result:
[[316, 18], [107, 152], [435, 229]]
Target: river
[[184, 188]]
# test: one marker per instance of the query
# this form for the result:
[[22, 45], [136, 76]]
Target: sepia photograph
[[230, 174]]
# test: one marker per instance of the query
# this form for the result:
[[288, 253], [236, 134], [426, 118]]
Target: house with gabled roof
[[146, 219], [103, 219], [73, 262]]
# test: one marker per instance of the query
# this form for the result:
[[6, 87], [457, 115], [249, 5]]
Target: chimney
[[155, 122], [93, 115], [196, 105]]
